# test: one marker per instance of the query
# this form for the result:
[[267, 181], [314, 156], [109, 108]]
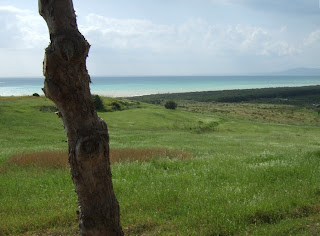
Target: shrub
[[36, 95], [116, 106], [48, 108], [170, 105], [157, 101], [98, 103]]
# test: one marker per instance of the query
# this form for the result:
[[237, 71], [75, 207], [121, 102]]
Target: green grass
[[247, 175]]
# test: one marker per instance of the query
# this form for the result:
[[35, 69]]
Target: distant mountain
[[300, 71]]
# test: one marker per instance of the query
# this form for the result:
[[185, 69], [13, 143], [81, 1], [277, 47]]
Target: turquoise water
[[134, 86]]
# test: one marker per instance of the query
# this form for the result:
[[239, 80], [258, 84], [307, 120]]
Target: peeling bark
[[67, 85]]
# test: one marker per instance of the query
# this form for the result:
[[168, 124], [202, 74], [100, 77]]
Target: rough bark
[[67, 85]]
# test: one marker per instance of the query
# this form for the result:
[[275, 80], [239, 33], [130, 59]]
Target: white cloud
[[148, 47], [23, 37], [194, 36], [246, 39], [301, 7], [279, 48], [13, 9], [22, 29], [313, 37], [125, 34]]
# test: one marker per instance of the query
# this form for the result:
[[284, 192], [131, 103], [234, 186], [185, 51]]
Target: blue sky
[[171, 37]]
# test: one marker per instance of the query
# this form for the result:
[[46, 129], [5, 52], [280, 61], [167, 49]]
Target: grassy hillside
[[203, 169]]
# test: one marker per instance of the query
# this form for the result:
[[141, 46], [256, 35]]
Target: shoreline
[[142, 86], [184, 93]]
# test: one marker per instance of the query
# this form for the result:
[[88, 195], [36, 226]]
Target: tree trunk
[[67, 85]]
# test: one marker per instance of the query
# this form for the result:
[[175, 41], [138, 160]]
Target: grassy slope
[[248, 175]]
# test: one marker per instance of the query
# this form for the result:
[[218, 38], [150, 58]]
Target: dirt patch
[[58, 159]]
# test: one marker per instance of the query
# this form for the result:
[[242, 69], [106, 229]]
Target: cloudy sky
[[171, 37]]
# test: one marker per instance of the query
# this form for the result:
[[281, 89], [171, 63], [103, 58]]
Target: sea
[[144, 85]]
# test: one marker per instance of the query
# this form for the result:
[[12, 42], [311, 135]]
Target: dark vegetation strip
[[305, 96]]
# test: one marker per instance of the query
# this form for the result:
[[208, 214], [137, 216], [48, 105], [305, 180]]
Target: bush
[[36, 95], [157, 101], [170, 105], [116, 106], [48, 108], [98, 103]]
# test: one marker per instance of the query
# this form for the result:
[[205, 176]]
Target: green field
[[212, 168]]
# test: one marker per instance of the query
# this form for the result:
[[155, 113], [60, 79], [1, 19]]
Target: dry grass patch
[[43, 159], [58, 159]]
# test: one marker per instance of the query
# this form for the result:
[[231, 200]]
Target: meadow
[[206, 168]]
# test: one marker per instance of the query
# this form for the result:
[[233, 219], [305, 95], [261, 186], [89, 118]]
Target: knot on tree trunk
[[68, 46], [89, 147]]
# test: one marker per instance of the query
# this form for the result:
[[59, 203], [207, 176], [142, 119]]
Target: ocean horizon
[[128, 86]]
